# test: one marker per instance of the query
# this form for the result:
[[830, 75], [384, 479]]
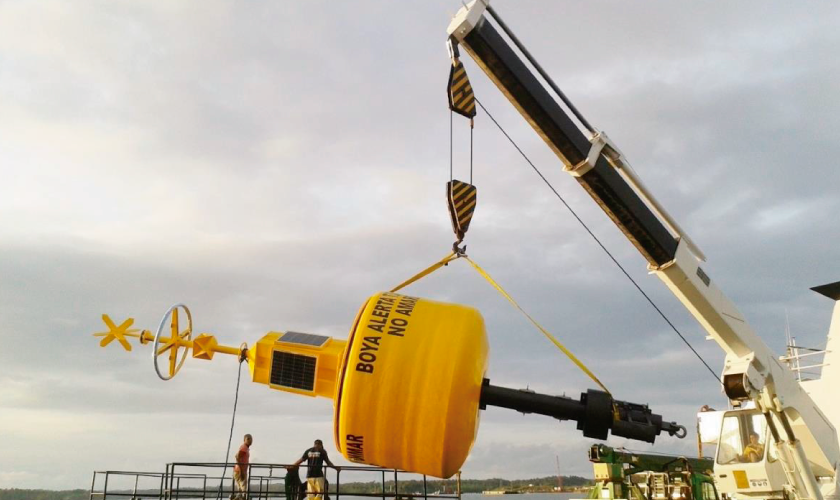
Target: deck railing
[[214, 481]]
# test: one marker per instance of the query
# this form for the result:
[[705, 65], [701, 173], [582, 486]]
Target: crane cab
[[746, 461]]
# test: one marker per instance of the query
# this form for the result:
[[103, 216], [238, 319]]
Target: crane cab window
[[743, 438]]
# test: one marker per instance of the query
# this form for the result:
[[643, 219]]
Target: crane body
[[802, 460]]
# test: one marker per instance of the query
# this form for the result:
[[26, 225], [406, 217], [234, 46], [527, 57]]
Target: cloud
[[274, 165]]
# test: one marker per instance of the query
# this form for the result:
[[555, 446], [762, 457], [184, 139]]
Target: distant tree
[[18, 494], [407, 486]]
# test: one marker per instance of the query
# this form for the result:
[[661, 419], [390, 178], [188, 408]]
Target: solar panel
[[293, 370], [303, 339]]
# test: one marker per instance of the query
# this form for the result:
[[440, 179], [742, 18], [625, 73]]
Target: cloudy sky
[[272, 164]]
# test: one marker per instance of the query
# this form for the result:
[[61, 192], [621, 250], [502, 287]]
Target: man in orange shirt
[[240, 470]]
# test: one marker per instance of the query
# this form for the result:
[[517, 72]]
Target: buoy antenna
[[178, 321]]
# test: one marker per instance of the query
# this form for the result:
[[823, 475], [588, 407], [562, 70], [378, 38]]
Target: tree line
[[447, 486]]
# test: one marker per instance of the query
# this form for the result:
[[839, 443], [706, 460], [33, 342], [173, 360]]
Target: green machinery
[[622, 474]]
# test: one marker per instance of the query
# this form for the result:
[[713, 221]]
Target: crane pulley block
[[459, 91], [461, 198]]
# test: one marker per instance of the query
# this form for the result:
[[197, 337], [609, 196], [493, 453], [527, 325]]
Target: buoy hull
[[410, 384]]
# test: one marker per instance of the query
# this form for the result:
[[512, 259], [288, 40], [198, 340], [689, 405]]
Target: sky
[[273, 164]]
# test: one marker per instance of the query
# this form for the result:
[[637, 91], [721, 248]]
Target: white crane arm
[[808, 442]]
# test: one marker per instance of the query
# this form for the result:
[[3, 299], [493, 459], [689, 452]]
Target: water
[[465, 496], [479, 496], [525, 496]]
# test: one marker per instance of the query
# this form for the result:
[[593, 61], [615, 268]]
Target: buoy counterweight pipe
[[596, 412], [559, 407]]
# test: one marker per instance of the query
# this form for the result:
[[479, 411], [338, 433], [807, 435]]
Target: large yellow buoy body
[[409, 385], [405, 385]]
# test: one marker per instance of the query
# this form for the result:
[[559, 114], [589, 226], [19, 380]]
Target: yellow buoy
[[406, 386], [410, 384]]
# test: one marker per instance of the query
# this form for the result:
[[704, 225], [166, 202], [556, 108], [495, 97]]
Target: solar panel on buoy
[[303, 339], [295, 371]]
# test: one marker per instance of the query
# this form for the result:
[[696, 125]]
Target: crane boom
[[806, 441]]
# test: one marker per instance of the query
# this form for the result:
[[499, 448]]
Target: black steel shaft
[[596, 412], [559, 407]]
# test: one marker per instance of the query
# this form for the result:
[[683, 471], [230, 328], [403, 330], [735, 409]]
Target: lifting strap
[[425, 272], [454, 256]]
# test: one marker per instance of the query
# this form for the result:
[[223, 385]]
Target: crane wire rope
[[471, 149], [232, 422], [451, 153], [604, 248], [451, 150]]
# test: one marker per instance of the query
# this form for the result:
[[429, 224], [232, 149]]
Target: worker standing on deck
[[240, 470], [315, 458]]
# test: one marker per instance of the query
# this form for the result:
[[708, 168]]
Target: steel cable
[[604, 248], [230, 436]]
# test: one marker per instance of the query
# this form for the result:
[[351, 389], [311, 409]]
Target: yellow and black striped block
[[460, 92], [461, 198]]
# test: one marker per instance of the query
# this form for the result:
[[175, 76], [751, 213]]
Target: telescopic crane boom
[[805, 441]]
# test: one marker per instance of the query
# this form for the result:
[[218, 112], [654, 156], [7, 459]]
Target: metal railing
[[107, 478], [214, 481]]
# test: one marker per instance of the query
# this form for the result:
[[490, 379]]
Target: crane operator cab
[[747, 459]]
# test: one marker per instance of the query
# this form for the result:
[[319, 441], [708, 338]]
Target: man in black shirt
[[315, 458]]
